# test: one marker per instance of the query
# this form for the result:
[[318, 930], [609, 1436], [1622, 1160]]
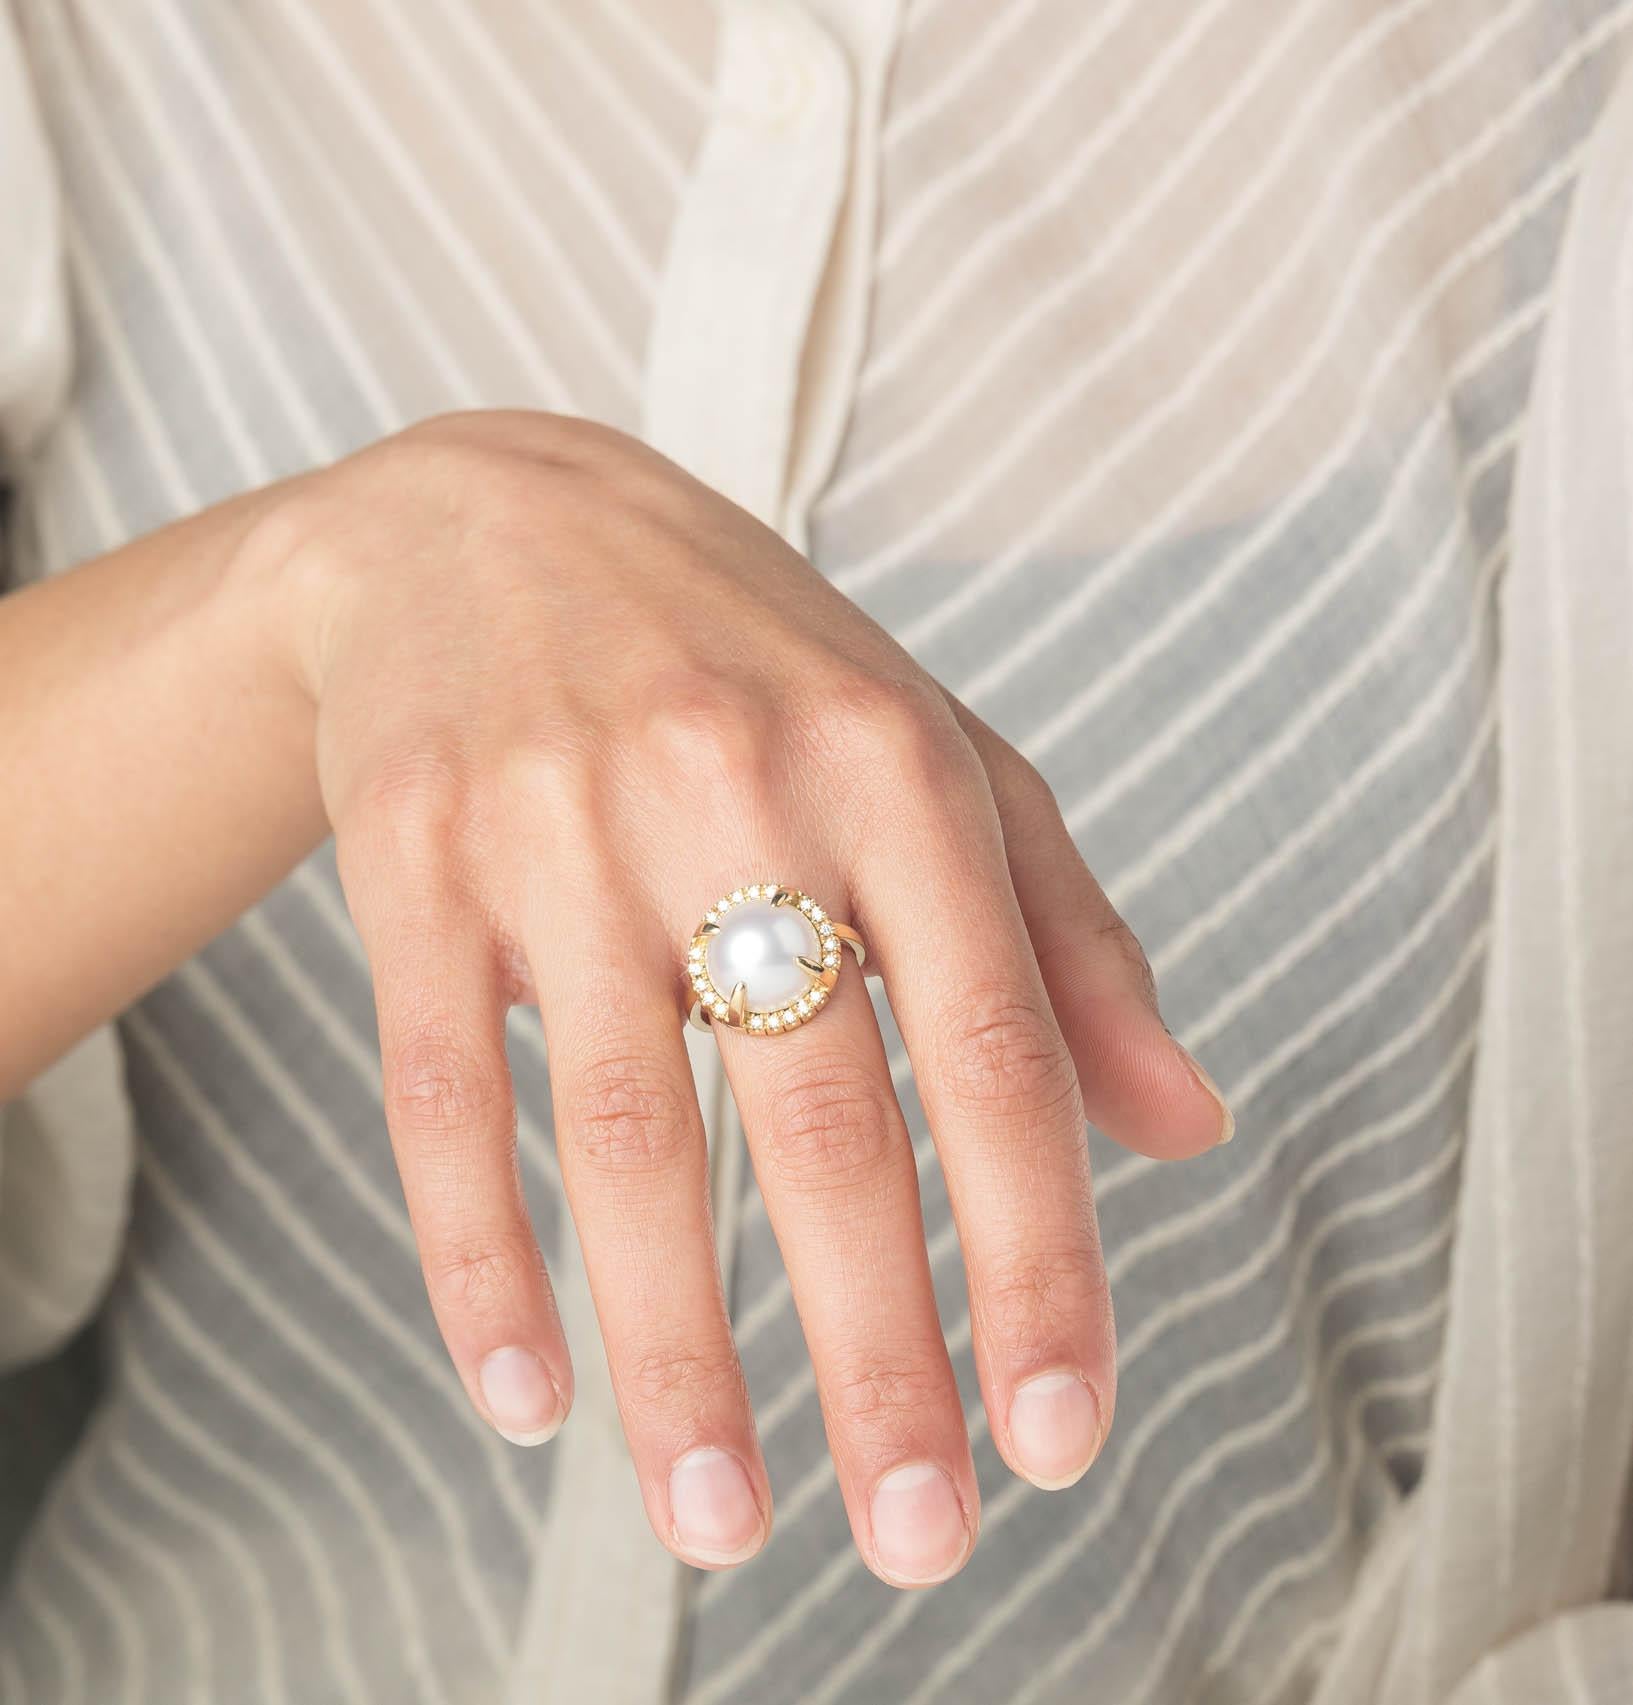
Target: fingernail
[[1054, 1429], [919, 1531], [1227, 1128], [522, 1401], [713, 1507]]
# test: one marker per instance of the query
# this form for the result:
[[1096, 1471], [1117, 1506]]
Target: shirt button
[[766, 54]]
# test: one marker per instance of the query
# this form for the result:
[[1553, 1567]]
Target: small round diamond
[[774, 1022], [805, 905], [825, 929], [737, 896], [804, 1007], [719, 1009], [757, 1021], [817, 914], [711, 917]]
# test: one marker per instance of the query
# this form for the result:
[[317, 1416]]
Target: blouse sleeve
[[66, 1145]]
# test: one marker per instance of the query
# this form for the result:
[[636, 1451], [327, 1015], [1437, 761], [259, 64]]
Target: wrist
[[275, 585]]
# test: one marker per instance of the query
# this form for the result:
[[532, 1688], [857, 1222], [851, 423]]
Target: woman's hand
[[565, 698]]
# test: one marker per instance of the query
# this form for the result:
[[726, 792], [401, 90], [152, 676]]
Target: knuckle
[[907, 722], [437, 1085], [1025, 784], [481, 1277], [411, 807], [705, 724], [892, 1399], [1002, 1057], [673, 1378], [1119, 940], [549, 775], [623, 1117], [1033, 1301], [893, 704], [831, 1122]]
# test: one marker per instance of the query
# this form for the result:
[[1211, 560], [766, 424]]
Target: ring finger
[[1000, 1090]]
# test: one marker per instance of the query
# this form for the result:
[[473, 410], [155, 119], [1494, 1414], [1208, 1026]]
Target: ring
[[765, 959]]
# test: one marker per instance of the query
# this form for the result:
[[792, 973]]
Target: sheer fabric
[[1156, 372]]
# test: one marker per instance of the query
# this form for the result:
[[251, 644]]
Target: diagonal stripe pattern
[[1200, 342]]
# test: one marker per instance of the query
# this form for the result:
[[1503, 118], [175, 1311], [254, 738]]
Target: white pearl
[[757, 945]]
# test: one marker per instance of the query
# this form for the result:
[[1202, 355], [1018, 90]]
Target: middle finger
[[835, 1165]]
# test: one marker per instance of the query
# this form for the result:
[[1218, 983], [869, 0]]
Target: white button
[[765, 63]]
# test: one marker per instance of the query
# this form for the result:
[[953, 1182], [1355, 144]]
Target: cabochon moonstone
[[758, 945]]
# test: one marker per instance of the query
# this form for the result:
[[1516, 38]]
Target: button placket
[[749, 248]]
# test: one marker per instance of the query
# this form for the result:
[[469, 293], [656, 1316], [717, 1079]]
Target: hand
[[565, 698]]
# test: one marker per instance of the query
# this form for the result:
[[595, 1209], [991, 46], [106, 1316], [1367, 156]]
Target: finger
[[835, 1166], [1139, 1085], [635, 1164], [1000, 1091], [450, 1108]]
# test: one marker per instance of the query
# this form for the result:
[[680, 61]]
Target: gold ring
[[765, 959]]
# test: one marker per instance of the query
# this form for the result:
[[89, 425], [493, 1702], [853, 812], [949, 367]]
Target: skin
[[553, 697]]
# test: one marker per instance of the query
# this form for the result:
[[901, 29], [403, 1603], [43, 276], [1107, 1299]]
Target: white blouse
[[868, 219]]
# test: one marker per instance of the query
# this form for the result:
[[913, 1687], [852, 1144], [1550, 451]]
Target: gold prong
[[782, 898], [710, 929], [810, 965], [737, 1006]]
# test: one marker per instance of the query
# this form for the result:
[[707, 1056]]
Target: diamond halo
[[714, 1005]]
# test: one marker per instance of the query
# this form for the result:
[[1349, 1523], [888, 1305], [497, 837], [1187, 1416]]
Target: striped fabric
[[1198, 339]]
